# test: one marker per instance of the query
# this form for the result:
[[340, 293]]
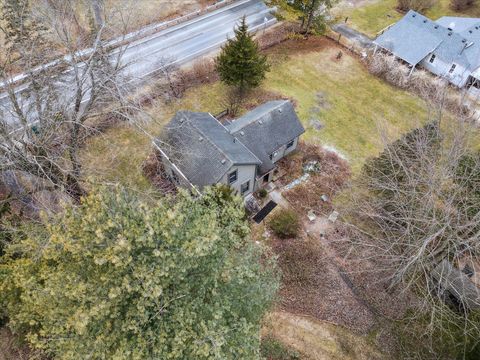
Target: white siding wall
[[441, 68], [244, 173]]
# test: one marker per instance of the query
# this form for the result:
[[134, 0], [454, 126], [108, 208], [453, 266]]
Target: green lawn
[[351, 105], [375, 15]]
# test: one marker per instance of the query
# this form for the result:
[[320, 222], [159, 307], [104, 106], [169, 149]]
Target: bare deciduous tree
[[418, 207], [43, 123]]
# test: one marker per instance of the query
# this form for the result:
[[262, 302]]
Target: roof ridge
[[281, 102], [225, 128], [206, 136]]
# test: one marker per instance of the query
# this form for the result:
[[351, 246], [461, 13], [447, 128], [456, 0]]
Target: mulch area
[[326, 277], [332, 176], [311, 285]]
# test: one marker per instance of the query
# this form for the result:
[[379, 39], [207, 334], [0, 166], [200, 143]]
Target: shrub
[[417, 5], [461, 4], [285, 224], [272, 349], [262, 193]]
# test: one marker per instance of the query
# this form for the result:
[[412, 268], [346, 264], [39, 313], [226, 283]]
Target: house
[[197, 150], [448, 47]]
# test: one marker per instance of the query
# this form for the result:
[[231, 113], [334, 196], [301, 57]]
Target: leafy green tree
[[240, 63], [312, 13], [118, 279]]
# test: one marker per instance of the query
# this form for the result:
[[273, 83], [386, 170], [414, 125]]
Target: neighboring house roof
[[267, 128], [415, 36], [457, 24], [458, 284], [202, 148]]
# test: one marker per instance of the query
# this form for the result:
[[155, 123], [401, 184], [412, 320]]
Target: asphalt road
[[178, 44]]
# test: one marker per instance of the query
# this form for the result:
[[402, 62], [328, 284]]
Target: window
[[273, 155], [432, 58], [452, 69], [245, 187], [290, 144], [232, 177], [266, 178]]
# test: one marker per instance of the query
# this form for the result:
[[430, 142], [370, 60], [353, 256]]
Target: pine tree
[[240, 63], [115, 278]]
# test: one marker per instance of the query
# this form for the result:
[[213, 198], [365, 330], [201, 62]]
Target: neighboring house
[[448, 47], [197, 150], [459, 288]]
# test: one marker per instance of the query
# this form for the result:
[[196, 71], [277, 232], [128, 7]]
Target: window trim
[[290, 144], [432, 58], [234, 172], [242, 192]]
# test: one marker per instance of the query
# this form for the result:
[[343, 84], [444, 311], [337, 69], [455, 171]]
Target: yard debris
[[251, 204], [335, 151], [333, 216], [298, 181], [314, 194], [316, 124], [311, 167]]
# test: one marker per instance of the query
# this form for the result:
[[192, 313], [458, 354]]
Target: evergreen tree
[[118, 279], [240, 63]]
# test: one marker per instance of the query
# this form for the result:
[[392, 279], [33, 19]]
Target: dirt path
[[319, 340]]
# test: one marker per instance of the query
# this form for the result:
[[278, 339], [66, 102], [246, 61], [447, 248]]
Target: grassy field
[[372, 16], [350, 104]]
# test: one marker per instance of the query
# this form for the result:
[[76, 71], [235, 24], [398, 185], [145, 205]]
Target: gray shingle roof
[[457, 24], [458, 284], [415, 36], [202, 148], [266, 128]]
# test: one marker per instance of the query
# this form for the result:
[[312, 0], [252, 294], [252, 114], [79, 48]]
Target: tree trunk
[[97, 7], [311, 14]]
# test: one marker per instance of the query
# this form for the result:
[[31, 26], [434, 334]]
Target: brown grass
[[319, 340], [11, 349]]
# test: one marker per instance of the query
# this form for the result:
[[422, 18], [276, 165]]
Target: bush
[[417, 5], [285, 224], [459, 5], [272, 349], [262, 193]]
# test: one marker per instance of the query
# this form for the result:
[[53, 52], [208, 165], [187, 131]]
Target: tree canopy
[[312, 13], [240, 62], [116, 278]]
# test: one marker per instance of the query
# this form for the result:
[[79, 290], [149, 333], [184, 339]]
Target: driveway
[[353, 35]]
